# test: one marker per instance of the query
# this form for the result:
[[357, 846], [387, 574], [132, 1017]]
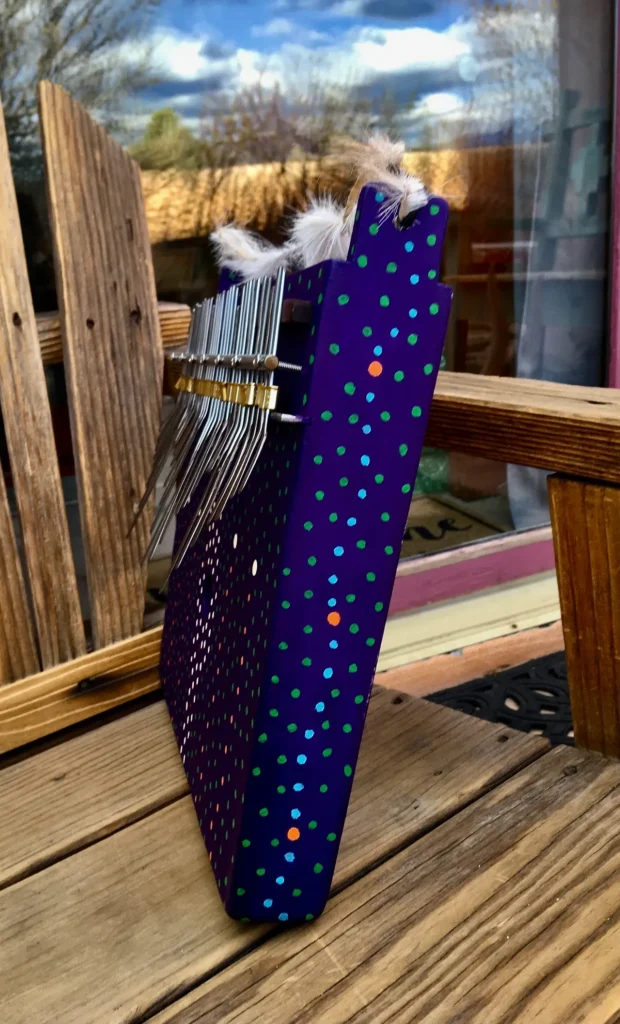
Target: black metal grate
[[531, 697]]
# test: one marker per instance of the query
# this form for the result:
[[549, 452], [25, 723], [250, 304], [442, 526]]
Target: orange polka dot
[[375, 369], [334, 618], [293, 834]]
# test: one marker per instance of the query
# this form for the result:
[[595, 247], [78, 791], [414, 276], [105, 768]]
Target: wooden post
[[586, 530]]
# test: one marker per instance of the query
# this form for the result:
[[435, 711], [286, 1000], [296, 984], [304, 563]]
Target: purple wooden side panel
[[275, 618]]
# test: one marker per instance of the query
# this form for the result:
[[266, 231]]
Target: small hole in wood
[[17, 320], [136, 315], [90, 324], [503, 738], [571, 769], [129, 223], [397, 700], [439, 772]]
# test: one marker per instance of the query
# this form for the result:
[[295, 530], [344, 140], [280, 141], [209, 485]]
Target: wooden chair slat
[[113, 351]]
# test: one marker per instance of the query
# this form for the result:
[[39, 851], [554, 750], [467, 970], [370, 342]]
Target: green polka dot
[[319, 495], [307, 629], [312, 825], [431, 240], [412, 339], [434, 209], [312, 560], [335, 693], [245, 842], [281, 789], [350, 598], [283, 645], [240, 892], [370, 641], [361, 544], [359, 699], [292, 727], [367, 332], [262, 738], [347, 728], [399, 375], [362, 261], [343, 300], [379, 606], [260, 871], [275, 842], [385, 517], [320, 298], [334, 349], [428, 369], [323, 788], [325, 725], [286, 572], [296, 892], [318, 459], [306, 662], [255, 771], [327, 752], [318, 868], [295, 693], [384, 301], [385, 416], [353, 669], [308, 594], [274, 712], [354, 628], [433, 309], [406, 488], [326, 415], [343, 481], [333, 517], [432, 275], [391, 268], [263, 812], [374, 229], [275, 679], [286, 604], [389, 550], [348, 771], [354, 418], [282, 759], [341, 449], [379, 478], [370, 576], [403, 449], [416, 412], [308, 526], [349, 388], [310, 917]]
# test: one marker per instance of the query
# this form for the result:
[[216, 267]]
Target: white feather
[[320, 233], [378, 162], [249, 255]]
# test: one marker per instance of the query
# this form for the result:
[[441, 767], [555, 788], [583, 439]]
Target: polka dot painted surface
[[275, 618]]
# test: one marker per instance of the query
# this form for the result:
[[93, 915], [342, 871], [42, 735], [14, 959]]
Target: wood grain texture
[[586, 526], [45, 702], [571, 430], [82, 790], [509, 913], [30, 439], [174, 319], [18, 652], [131, 922], [113, 352]]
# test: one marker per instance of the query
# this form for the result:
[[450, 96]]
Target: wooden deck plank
[[113, 351], [509, 912], [124, 926], [29, 433]]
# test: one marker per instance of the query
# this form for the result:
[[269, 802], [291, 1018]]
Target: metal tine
[[173, 424], [185, 442], [205, 514]]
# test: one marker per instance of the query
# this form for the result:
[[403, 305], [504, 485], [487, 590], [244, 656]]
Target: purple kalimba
[[275, 615]]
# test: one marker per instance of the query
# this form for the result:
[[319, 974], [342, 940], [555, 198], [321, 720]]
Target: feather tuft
[[247, 254], [319, 233]]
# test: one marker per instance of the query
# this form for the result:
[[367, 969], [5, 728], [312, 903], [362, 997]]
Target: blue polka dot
[[295, 813], [333, 644], [332, 579], [366, 429], [362, 493], [414, 278], [298, 787], [282, 917], [379, 197], [351, 521], [320, 706], [394, 332], [309, 733], [332, 602], [289, 857], [280, 880], [268, 903], [328, 673], [339, 551], [365, 460], [377, 350], [413, 313], [409, 246], [301, 759], [370, 397]]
